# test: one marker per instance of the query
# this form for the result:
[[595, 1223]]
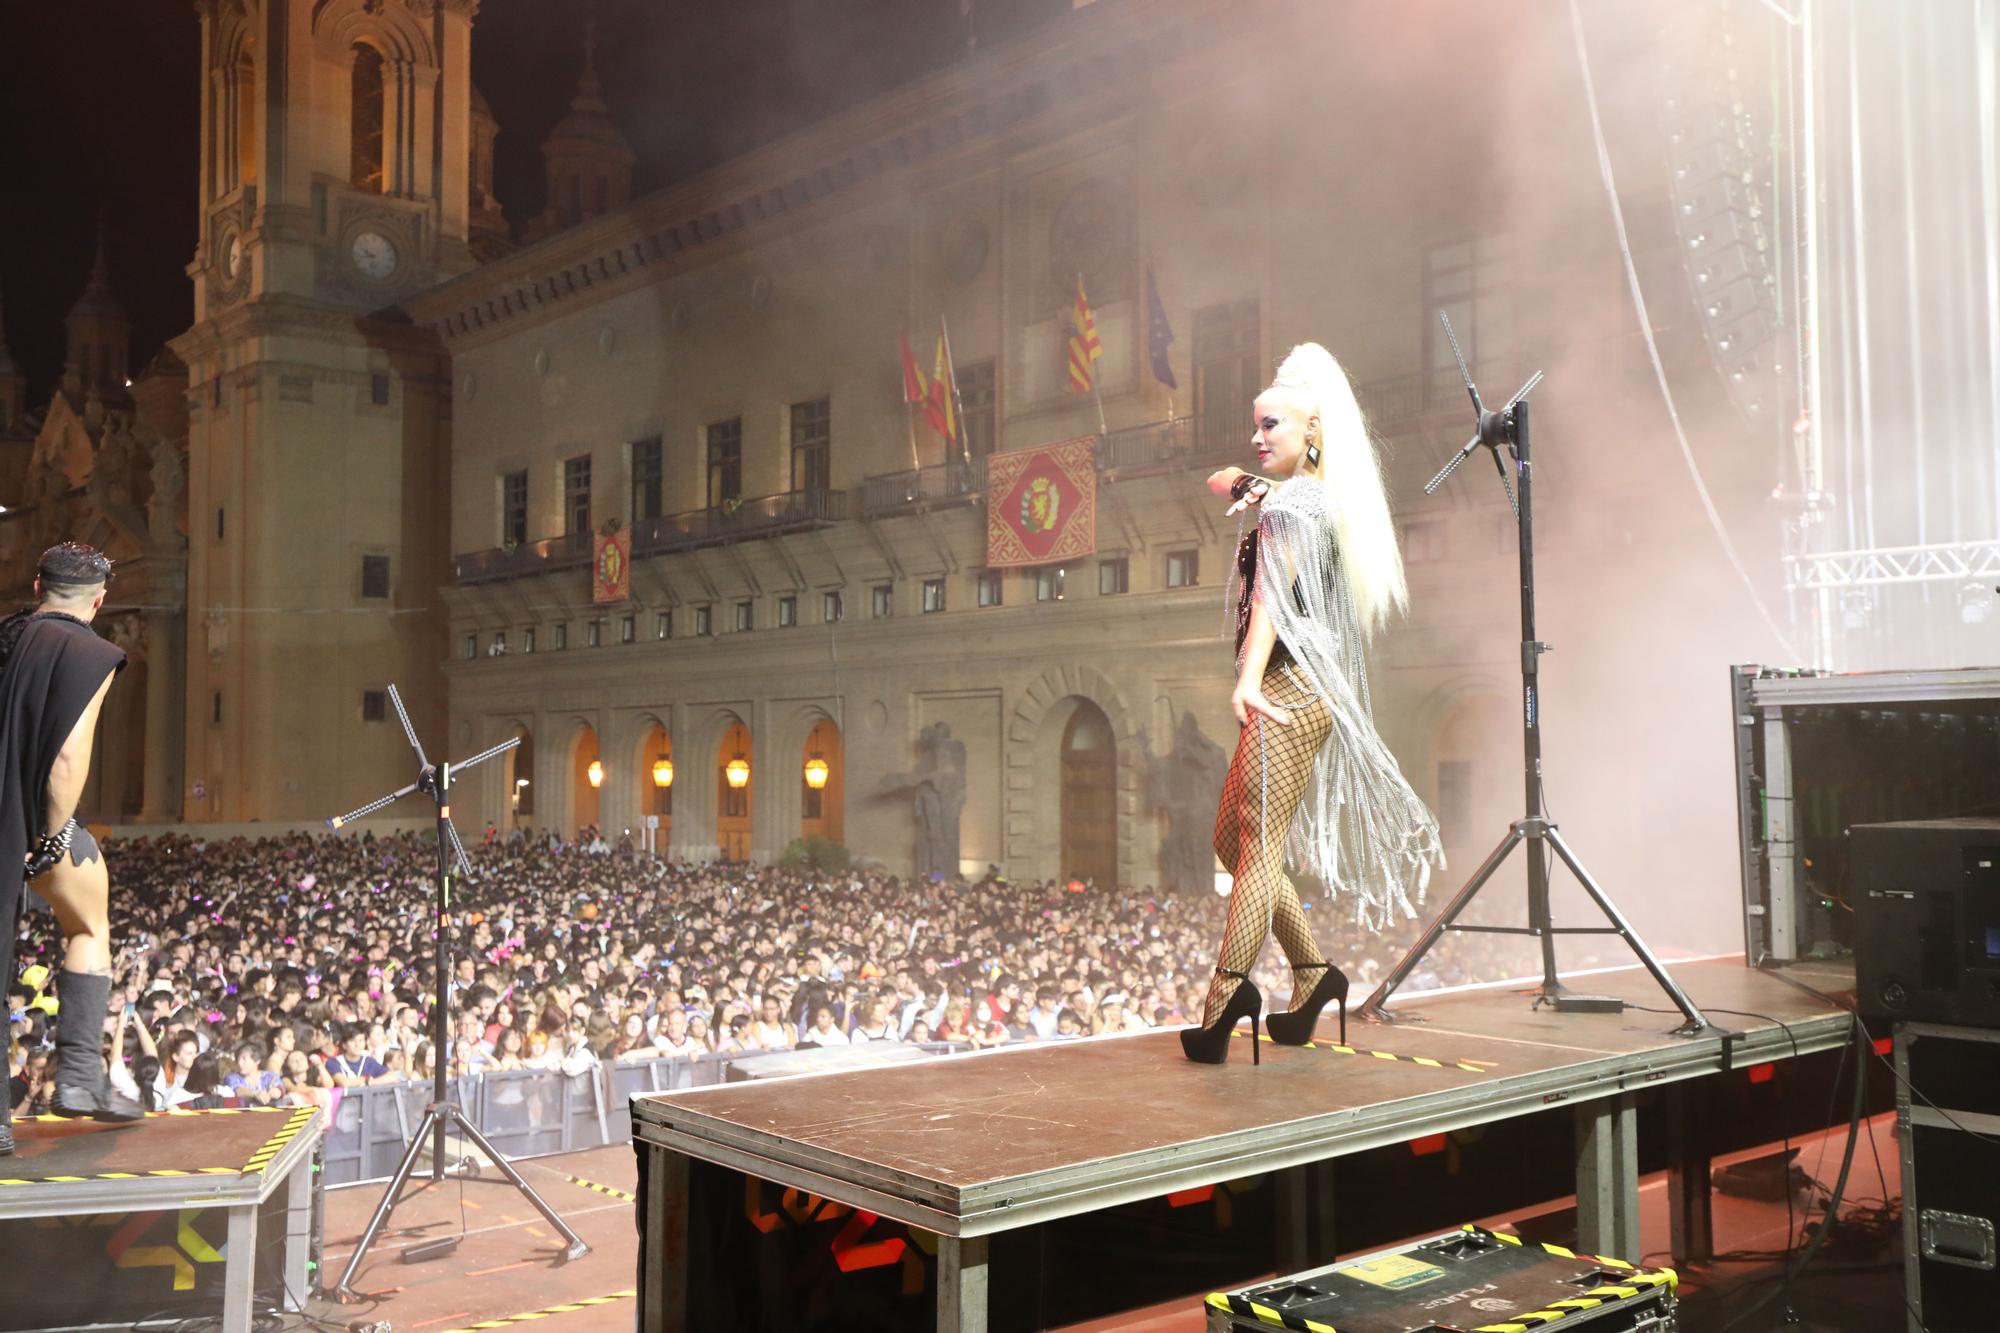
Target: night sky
[[99, 111]]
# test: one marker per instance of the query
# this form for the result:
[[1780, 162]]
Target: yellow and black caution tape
[[627, 1196], [1265, 1314], [296, 1119], [565, 1308], [1669, 1275], [1626, 1287], [121, 1175], [1633, 1282], [1481, 1067], [296, 1122]]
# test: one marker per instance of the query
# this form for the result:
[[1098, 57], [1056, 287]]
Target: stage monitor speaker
[[1926, 900], [1951, 1194]]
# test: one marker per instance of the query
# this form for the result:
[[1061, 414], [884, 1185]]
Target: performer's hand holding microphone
[[1244, 488]]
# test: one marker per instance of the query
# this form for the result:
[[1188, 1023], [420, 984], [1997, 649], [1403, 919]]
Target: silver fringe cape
[[1360, 829]]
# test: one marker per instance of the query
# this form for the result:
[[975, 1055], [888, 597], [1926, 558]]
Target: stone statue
[[169, 479], [49, 486], [937, 793], [1187, 784], [111, 471]]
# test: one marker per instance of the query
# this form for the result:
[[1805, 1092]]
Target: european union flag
[[1159, 334]]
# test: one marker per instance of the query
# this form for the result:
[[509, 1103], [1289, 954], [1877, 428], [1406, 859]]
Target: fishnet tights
[[1267, 779]]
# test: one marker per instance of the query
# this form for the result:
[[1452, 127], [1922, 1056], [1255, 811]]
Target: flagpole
[[910, 425], [957, 400]]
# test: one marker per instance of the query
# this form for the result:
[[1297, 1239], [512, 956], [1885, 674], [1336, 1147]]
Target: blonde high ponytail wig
[[1315, 383]]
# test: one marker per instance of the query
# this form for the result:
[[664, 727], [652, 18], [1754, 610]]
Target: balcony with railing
[[765, 516], [1134, 451], [569, 551], [936, 487]]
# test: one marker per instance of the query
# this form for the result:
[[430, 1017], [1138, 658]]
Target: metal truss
[[1948, 562]]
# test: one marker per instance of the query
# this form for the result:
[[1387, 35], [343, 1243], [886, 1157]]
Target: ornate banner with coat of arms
[[611, 566], [1041, 503]]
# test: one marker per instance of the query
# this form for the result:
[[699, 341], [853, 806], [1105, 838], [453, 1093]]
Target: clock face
[[232, 256], [374, 254]]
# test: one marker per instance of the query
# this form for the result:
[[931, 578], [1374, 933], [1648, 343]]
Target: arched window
[[246, 118], [366, 119]]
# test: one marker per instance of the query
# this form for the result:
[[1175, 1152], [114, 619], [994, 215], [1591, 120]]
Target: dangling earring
[[1312, 451]]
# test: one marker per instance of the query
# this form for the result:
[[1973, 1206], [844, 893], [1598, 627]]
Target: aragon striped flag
[[1084, 347]]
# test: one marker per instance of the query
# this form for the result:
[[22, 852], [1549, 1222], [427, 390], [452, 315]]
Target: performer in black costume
[[54, 673]]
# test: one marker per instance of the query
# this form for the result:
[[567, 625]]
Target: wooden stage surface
[[175, 1159], [966, 1146], [173, 1213]]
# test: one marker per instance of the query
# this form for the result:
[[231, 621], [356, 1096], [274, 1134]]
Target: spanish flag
[[1084, 348], [940, 409], [915, 387]]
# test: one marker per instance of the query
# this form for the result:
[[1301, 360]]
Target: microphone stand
[[441, 1115], [1508, 427]]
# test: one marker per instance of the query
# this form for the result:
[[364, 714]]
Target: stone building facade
[[714, 366], [403, 428], [103, 461]]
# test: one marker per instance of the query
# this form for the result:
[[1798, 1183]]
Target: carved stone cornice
[[894, 135], [279, 316]]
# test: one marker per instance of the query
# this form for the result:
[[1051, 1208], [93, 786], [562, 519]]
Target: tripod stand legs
[[437, 1119], [390, 1198], [1534, 831], [577, 1249], [1372, 1007], [1695, 1019]]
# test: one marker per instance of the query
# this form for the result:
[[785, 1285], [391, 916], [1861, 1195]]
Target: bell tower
[[336, 146], [335, 149]]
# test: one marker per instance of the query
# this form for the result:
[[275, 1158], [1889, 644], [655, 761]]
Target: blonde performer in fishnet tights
[[1311, 784]]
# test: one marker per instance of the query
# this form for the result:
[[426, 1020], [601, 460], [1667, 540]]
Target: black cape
[[50, 667]]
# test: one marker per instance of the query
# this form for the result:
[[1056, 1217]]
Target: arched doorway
[[820, 808], [732, 794], [1089, 802], [584, 761], [654, 774], [520, 790]]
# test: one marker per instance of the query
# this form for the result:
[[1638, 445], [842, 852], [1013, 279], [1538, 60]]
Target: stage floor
[[201, 1214], [173, 1159], [966, 1146]]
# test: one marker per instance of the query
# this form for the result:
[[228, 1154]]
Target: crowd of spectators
[[277, 970]]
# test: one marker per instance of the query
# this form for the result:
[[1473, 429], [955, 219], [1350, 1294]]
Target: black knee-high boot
[[80, 1084]]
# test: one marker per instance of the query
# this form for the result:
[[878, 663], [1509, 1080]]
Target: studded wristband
[[51, 846]]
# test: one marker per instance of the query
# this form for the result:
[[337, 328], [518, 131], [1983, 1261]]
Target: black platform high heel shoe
[[1210, 1045], [1296, 1028]]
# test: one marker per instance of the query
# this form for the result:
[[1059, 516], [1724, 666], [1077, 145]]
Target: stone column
[[164, 688], [768, 771]]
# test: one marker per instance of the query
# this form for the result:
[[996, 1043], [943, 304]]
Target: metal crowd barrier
[[522, 1112]]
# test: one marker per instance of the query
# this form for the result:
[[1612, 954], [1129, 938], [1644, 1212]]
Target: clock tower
[[336, 143]]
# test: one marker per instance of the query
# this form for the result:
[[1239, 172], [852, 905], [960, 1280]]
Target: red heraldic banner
[[1041, 503], [611, 566]]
